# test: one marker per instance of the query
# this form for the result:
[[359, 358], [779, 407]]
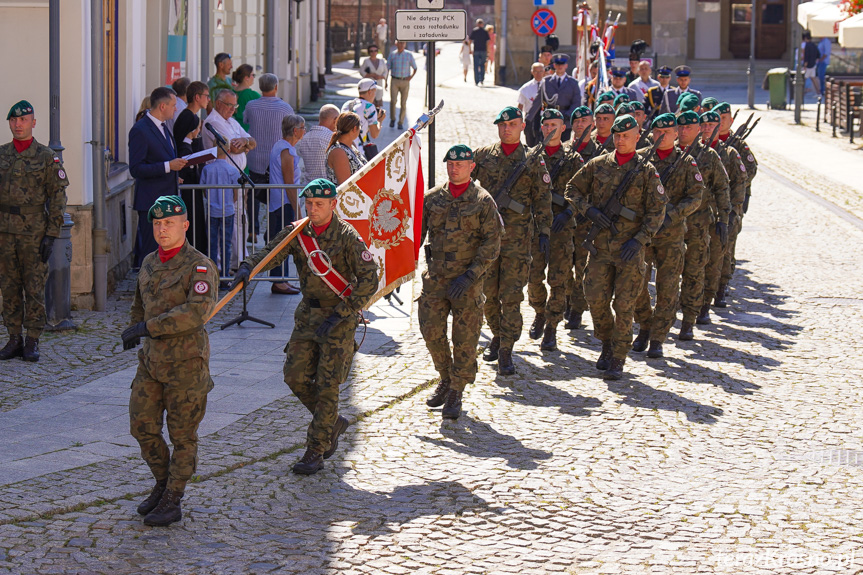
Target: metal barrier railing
[[232, 230]]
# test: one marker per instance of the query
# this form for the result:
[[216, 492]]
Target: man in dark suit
[[618, 85], [154, 164], [671, 96], [566, 88]]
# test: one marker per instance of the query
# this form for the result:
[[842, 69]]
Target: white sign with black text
[[431, 26]]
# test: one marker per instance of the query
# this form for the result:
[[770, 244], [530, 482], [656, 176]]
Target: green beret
[[580, 112], [620, 99], [722, 108], [709, 103], [687, 118], [664, 121], [507, 114], [605, 97], [165, 207], [459, 153], [636, 106], [22, 108], [622, 109], [319, 188], [707, 117], [623, 124], [603, 109], [551, 114], [687, 101]]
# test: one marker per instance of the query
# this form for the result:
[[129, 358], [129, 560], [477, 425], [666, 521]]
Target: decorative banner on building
[[175, 67], [383, 202]]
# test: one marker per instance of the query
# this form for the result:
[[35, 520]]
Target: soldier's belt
[[506, 201], [558, 199], [317, 303], [19, 210], [452, 256]]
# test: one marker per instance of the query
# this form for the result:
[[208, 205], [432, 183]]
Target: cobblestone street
[[738, 453]]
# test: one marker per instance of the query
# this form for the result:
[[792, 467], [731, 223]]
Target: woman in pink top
[[489, 63]]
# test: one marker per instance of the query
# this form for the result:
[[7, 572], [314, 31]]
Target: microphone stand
[[244, 181]]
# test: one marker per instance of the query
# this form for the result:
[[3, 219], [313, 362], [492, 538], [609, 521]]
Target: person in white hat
[[363, 106]]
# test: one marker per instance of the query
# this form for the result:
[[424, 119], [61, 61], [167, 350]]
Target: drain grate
[[836, 457]]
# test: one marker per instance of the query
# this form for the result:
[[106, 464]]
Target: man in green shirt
[[220, 81]]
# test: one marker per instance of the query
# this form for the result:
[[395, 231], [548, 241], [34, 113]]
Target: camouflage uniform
[[714, 206], [607, 274], [560, 261], [32, 201], [506, 277], [464, 234], [751, 165], [684, 189], [575, 283], [174, 298], [315, 367], [598, 148]]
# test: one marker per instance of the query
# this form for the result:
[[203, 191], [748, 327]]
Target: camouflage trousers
[[457, 364], [315, 368], [694, 263], [22, 283], [504, 290], [713, 271], [607, 276], [666, 255], [575, 280], [559, 271], [729, 262], [179, 390]]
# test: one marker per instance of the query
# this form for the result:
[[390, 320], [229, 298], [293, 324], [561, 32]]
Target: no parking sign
[[543, 22]]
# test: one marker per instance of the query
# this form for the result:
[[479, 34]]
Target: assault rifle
[[749, 131], [642, 138], [669, 169], [612, 208], [502, 198], [557, 198], [739, 132], [705, 146]]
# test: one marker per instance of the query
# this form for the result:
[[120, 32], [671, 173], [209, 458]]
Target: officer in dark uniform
[[669, 99], [653, 97]]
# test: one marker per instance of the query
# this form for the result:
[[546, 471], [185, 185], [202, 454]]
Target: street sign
[[543, 2], [430, 4], [431, 25], [543, 22]]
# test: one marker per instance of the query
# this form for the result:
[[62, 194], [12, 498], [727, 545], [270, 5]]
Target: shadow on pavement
[[538, 394], [679, 369], [637, 394]]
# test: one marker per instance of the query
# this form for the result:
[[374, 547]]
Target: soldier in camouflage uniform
[[562, 162], [322, 346], [683, 189], [464, 229], [504, 283], [603, 116], [175, 293], [719, 238], [32, 201], [712, 213], [617, 268]]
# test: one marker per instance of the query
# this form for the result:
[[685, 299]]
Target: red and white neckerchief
[[320, 264]]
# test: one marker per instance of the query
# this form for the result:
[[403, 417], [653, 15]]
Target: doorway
[[771, 29]]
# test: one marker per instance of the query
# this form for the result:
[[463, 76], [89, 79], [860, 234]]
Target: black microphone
[[216, 134]]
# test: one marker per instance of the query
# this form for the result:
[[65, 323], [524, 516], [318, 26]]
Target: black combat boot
[[704, 315], [549, 338], [504, 362], [640, 343], [615, 369], [537, 326], [492, 349], [568, 310], [655, 349], [439, 395], [310, 463], [167, 511], [452, 407], [686, 331], [339, 427], [31, 349], [719, 300], [604, 356], [15, 347], [574, 320], [153, 499]]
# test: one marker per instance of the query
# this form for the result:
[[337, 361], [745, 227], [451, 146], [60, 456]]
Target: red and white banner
[[383, 201]]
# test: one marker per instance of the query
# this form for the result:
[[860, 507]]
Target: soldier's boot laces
[[492, 349], [167, 511], [655, 349], [549, 338], [615, 369], [153, 499], [574, 321], [452, 407], [31, 349], [704, 315], [440, 394], [339, 427], [14, 348], [686, 331], [537, 326], [310, 463], [640, 343], [719, 300], [604, 356], [504, 362]]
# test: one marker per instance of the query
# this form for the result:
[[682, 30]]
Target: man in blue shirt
[[220, 202], [401, 63], [479, 39], [824, 47]]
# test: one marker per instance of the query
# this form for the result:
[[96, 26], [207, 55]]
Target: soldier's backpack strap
[[320, 264]]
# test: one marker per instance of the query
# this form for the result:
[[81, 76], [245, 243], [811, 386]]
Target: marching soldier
[[322, 346], [713, 211], [176, 291], [524, 207], [603, 116], [562, 162], [671, 95], [617, 268], [709, 103], [32, 201], [461, 221], [683, 188]]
